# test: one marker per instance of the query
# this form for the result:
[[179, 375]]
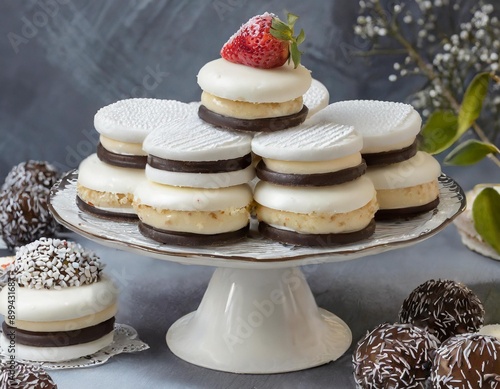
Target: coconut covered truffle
[[31, 173], [25, 215], [18, 375], [467, 361], [443, 307], [394, 356], [55, 263]]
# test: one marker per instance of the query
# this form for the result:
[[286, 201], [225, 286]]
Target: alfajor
[[106, 190], [312, 190], [407, 188], [59, 305], [124, 124], [389, 129], [316, 98], [197, 188], [246, 98]]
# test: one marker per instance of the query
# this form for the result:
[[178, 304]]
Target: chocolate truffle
[[31, 173], [467, 361], [25, 216], [394, 356], [444, 307], [18, 375]]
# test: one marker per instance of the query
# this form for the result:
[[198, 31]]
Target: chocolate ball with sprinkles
[[25, 215], [17, 375], [65, 305], [443, 307], [31, 173], [467, 361], [394, 356]]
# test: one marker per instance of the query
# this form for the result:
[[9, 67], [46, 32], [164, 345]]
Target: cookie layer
[[389, 157], [245, 83], [255, 125], [189, 239], [315, 240], [102, 177], [117, 211], [251, 111], [131, 120], [420, 169], [316, 98], [57, 354], [384, 125], [121, 160], [65, 304], [330, 199]]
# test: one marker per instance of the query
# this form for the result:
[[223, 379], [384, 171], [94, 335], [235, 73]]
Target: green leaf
[[486, 216], [301, 37], [295, 54], [439, 132], [278, 25], [291, 19], [472, 103], [280, 35], [470, 152]]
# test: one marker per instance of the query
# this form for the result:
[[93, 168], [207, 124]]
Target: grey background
[[89, 54]]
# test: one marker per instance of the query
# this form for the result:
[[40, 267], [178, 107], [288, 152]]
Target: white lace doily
[[125, 341]]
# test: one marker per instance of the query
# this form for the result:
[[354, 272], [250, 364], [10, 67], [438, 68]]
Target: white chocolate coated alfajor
[[245, 83], [340, 198], [383, 125], [420, 169], [309, 142], [192, 199], [316, 98], [50, 305], [130, 120], [192, 139], [58, 354], [99, 176]]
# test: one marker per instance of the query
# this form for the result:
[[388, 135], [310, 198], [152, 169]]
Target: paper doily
[[125, 341]]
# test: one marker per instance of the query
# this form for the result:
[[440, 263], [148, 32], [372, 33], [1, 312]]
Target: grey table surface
[[364, 292]]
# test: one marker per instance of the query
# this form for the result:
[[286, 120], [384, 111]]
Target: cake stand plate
[[258, 314]]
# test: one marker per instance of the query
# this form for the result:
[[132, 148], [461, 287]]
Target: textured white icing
[[97, 175], [201, 180], [58, 354], [192, 199], [316, 98], [61, 304], [318, 141], [382, 124], [245, 83], [192, 139], [420, 169], [332, 199], [131, 120]]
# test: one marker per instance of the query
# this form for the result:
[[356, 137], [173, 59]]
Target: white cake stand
[[258, 314]]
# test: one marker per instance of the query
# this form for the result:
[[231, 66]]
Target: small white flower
[[393, 78], [408, 19], [396, 66]]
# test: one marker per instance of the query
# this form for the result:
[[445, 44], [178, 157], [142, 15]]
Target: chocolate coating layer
[[315, 240], [60, 338], [445, 308], [17, 375], [25, 215], [396, 356], [117, 216], [31, 173], [227, 165], [392, 156], [190, 239], [319, 179], [404, 213], [121, 160], [467, 361], [253, 125]]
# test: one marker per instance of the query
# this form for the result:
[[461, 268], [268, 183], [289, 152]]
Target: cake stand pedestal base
[[259, 322]]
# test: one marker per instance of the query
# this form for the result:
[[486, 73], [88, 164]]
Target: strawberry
[[264, 42]]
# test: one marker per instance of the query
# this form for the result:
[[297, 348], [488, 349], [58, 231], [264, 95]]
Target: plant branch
[[431, 74]]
